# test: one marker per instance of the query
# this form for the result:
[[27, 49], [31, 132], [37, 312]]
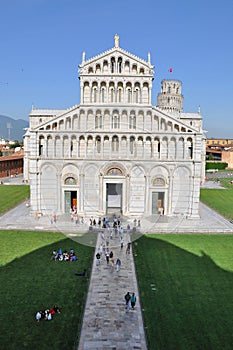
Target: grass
[[219, 199], [11, 195], [31, 281], [186, 284]]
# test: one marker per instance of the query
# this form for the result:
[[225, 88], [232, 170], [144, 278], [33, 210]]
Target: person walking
[[133, 301], [107, 256], [128, 248], [127, 301], [98, 259], [118, 264], [122, 243], [101, 249]]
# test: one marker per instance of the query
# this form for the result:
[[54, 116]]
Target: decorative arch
[[114, 169], [70, 180], [158, 181]]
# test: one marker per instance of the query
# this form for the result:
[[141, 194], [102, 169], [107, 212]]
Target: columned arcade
[[115, 152]]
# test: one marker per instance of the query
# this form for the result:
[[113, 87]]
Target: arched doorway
[[114, 189]]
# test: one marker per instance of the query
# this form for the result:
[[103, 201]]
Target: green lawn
[[11, 195], [31, 281], [220, 200], [186, 284]]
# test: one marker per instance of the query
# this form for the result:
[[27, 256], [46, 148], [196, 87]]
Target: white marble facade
[[115, 152]]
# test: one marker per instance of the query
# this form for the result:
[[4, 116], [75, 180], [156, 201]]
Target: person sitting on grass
[[73, 258], [54, 255], [83, 273], [38, 316], [56, 309], [48, 315], [66, 256]]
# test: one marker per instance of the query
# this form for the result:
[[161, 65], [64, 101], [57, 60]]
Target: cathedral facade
[[115, 152]]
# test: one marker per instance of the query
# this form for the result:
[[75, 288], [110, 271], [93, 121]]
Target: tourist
[[127, 301], [101, 249], [54, 218], [133, 300], [38, 316], [118, 264], [98, 256], [111, 255], [128, 248], [121, 242], [83, 273], [54, 255], [107, 256]]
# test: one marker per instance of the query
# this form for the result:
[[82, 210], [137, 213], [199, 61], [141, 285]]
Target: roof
[[190, 115], [48, 112], [14, 156]]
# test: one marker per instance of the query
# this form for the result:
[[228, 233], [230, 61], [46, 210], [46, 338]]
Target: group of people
[[47, 314], [61, 255], [130, 300], [74, 216], [105, 222]]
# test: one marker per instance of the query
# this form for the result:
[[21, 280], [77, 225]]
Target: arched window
[[102, 95], [115, 144], [127, 66], [98, 120], [98, 144], [132, 121], [112, 95], [95, 95], [190, 148], [112, 65], [132, 145], [119, 95], [134, 69], [115, 121], [119, 65], [129, 93]]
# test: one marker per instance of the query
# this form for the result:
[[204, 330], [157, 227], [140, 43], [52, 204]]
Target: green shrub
[[216, 165]]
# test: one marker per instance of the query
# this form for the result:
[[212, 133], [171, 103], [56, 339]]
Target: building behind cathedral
[[115, 152]]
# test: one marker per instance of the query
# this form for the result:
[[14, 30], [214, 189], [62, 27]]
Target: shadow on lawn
[[35, 282], [187, 298]]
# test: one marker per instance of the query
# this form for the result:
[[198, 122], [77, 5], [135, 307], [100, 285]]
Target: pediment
[[107, 56]]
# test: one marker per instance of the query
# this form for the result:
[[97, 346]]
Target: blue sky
[[41, 45]]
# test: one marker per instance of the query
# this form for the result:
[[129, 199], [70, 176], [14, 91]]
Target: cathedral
[[115, 152]]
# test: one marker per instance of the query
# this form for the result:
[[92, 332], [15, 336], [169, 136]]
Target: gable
[[125, 62]]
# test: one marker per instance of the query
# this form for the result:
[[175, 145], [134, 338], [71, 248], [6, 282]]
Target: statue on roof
[[116, 39], [83, 56]]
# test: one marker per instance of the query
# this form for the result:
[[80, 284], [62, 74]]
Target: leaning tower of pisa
[[170, 98]]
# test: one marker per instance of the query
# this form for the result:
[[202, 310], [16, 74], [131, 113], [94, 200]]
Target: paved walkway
[[107, 324]]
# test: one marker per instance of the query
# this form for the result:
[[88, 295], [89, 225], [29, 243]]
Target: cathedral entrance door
[[114, 198], [157, 202], [70, 200]]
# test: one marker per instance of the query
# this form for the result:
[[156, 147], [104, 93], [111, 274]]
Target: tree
[[211, 157]]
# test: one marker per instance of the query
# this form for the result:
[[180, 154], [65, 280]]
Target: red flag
[[170, 70]]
